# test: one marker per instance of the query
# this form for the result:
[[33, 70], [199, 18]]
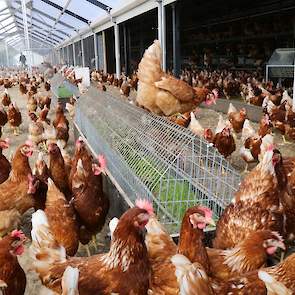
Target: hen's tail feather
[[149, 69], [191, 277], [231, 109], [44, 249], [70, 281], [272, 285]]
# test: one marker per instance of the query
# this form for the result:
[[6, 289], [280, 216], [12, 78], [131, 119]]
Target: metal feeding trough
[[151, 157]]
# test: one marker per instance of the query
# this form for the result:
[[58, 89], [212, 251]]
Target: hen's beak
[[210, 221], [281, 245]]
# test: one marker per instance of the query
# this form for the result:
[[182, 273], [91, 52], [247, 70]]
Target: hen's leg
[[285, 141], [15, 131], [87, 250], [246, 168], [94, 242]]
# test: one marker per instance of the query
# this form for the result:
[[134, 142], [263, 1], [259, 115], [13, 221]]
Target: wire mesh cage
[[281, 64], [78, 53], [150, 157], [89, 52], [71, 55]]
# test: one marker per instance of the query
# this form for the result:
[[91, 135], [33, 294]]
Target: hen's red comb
[[208, 212], [145, 204], [29, 143], [79, 140], [18, 234], [102, 161]]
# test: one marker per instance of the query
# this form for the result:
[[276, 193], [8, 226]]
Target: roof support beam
[[59, 17], [26, 32], [6, 27], [52, 18], [45, 24], [80, 18], [49, 17], [3, 9], [40, 34], [7, 17], [35, 38], [40, 28], [10, 42], [100, 5]]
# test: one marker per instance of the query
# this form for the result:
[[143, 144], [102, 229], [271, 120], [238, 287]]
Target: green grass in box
[[175, 195], [64, 92]]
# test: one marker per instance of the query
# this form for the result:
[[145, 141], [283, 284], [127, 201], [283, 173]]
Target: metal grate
[[151, 157]]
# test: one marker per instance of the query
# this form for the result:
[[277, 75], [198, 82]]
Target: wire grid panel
[[153, 158]]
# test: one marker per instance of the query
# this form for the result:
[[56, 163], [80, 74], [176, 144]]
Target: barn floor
[[33, 283]]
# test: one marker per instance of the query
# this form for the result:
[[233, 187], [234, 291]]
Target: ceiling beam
[[6, 26], [37, 35], [80, 18], [57, 19], [3, 9], [45, 24], [36, 32], [15, 41], [49, 17], [33, 34], [52, 18], [40, 28], [100, 5], [12, 40], [5, 13], [10, 8], [7, 17], [40, 40]]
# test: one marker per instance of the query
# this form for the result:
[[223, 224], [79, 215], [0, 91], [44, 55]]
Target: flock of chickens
[[250, 253]]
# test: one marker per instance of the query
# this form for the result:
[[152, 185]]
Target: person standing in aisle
[[22, 60]]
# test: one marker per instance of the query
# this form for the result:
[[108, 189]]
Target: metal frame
[[100, 5], [95, 50], [117, 50], [52, 42], [80, 18], [83, 54]]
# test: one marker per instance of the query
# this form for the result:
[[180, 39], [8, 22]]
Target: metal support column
[[125, 50], [293, 107], [176, 40], [74, 55], [160, 21], [68, 55], [117, 50], [164, 37], [7, 55], [26, 33], [95, 50], [104, 52], [162, 31], [83, 53]]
